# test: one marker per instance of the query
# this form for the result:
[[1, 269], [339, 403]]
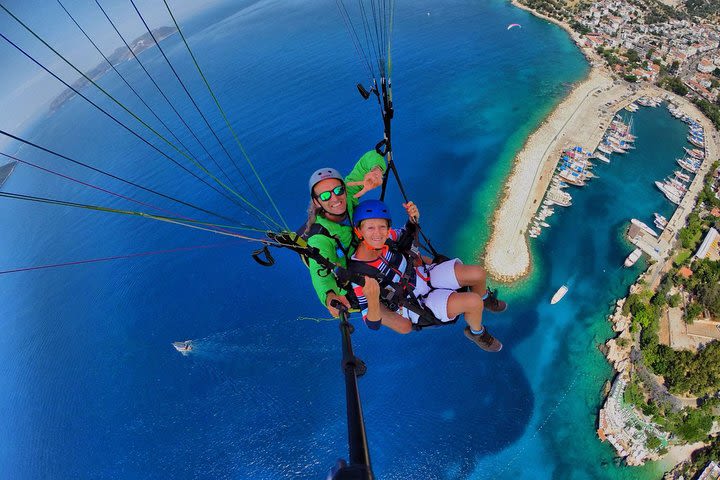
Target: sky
[[26, 89]]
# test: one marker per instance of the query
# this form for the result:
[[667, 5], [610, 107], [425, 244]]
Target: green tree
[[633, 394], [709, 297], [675, 85], [674, 300], [632, 56], [695, 426], [692, 312]]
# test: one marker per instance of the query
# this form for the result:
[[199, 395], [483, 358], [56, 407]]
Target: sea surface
[[90, 386]]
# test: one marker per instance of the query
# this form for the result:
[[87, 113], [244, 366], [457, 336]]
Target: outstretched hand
[[372, 179], [412, 211]]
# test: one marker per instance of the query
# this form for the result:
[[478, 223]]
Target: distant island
[[5, 172], [120, 55]]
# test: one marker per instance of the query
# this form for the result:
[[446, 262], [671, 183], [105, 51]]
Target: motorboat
[[559, 295], [633, 257], [183, 347]]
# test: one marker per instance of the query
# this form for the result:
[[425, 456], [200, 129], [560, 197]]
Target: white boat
[[695, 153], [559, 295], [696, 141], [688, 165], [633, 257], [682, 176], [671, 193], [183, 347], [601, 157], [640, 224], [660, 219], [544, 224], [605, 148]]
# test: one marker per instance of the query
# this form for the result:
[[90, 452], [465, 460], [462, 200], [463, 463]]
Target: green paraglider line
[[104, 190], [141, 121], [196, 224], [222, 112], [115, 177], [135, 92], [162, 93]]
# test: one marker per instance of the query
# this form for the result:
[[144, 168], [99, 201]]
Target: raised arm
[[365, 176]]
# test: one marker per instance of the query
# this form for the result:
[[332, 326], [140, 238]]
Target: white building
[[711, 472], [705, 65], [711, 240]]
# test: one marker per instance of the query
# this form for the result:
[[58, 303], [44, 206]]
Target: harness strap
[[394, 296]]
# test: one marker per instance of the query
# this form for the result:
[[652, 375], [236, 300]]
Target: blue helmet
[[371, 209]]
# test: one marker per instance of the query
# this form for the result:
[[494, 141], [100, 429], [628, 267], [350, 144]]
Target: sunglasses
[[325, 196]]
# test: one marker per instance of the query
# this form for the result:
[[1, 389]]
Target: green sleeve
[[322, 282], [366, 163]]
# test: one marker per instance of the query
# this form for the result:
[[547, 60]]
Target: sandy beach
[[580, 120]]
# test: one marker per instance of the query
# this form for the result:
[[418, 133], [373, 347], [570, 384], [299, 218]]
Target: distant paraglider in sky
[[514, 25]]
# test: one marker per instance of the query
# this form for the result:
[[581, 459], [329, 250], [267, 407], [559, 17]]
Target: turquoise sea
[[90, 386]]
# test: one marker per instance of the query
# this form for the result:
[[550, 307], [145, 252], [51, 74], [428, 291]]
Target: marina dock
[[659, 248]]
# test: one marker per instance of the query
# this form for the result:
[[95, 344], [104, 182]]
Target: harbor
[[534, 186], [659, 248], [575, 167]]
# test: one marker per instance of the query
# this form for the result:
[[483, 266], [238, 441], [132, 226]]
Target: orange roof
[[685, 272], [715, 212]]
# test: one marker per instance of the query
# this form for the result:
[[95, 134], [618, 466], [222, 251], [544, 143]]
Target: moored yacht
[[688, 165], [601, 157], [633, 257], [682, 176], [643, 226], [695, 153]]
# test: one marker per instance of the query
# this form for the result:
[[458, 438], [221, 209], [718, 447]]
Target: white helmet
[[322, 174]]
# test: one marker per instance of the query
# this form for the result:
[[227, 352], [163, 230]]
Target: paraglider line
[[102, 189], [115, 177], [117, 257], [141, 121], [197, 108], [164, 96], [222, 112]]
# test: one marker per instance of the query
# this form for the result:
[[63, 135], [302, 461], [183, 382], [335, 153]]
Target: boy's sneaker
[[492, 303], [485, 341]]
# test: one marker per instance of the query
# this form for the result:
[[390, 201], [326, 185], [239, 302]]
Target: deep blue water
[[91, 387]]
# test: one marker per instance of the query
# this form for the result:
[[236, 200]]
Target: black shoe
[[492, 303], [485, 341]]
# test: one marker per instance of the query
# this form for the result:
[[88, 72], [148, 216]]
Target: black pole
[[359, 467]]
